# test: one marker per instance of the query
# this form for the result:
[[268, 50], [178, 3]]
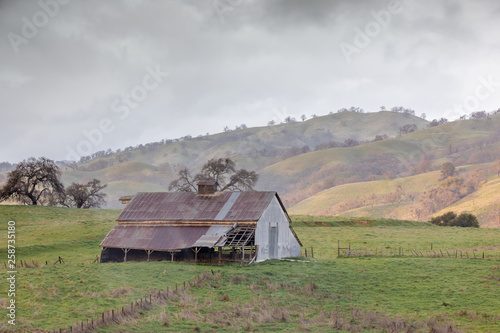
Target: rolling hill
[[347, 163], [460, 142], [155, 166], [373, 199]]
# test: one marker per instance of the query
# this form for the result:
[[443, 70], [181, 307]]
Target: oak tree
[[217, 170], [32, 181], [85, 195]]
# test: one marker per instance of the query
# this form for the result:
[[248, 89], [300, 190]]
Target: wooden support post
[[196, 250], [220, 255], [149, 253], [312, 252], [242, 255], [172, 256], [305, 251], [125, 256]]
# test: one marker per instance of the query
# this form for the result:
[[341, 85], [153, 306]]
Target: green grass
[[45, 233], [298, 296], [276, 295]]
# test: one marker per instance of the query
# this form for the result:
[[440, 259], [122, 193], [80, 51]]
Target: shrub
[[465, 220], [443, 220], [450, 219]]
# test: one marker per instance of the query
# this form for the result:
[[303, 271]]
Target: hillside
[[399, 198], [359, 176], [155, 166], [461, 142]]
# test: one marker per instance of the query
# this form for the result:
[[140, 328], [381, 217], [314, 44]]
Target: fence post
[[312, 252]]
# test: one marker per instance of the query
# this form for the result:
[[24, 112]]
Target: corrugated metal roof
[[158, 238], [163, 238], [224, 206]]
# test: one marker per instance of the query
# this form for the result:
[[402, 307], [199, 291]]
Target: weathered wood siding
[[273, 234]]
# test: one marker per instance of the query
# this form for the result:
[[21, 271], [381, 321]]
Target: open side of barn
[[202, 227]]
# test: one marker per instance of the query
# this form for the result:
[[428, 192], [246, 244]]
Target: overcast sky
[[81, 76]]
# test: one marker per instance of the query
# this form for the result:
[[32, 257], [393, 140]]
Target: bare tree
[[85, 195], [242, 180], [32, 180], [184, 183], [216, 170]]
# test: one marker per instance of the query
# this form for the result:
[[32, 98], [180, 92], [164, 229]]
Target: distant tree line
[[5, 166]]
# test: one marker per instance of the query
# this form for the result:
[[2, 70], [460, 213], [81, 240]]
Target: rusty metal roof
[[182, 206], [163, 238]]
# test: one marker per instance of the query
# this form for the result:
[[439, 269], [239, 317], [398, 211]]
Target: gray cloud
[[230, 62]]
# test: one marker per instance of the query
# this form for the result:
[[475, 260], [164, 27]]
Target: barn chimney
[[207, 187]]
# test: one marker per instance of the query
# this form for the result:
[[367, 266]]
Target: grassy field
[[372, 294]]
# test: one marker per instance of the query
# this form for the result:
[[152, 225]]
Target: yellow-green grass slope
[[484, 202], [408, 149]]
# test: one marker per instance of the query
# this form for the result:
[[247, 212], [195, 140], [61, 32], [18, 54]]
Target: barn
[[204, 226]]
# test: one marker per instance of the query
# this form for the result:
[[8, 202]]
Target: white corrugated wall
[[286, 246]]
